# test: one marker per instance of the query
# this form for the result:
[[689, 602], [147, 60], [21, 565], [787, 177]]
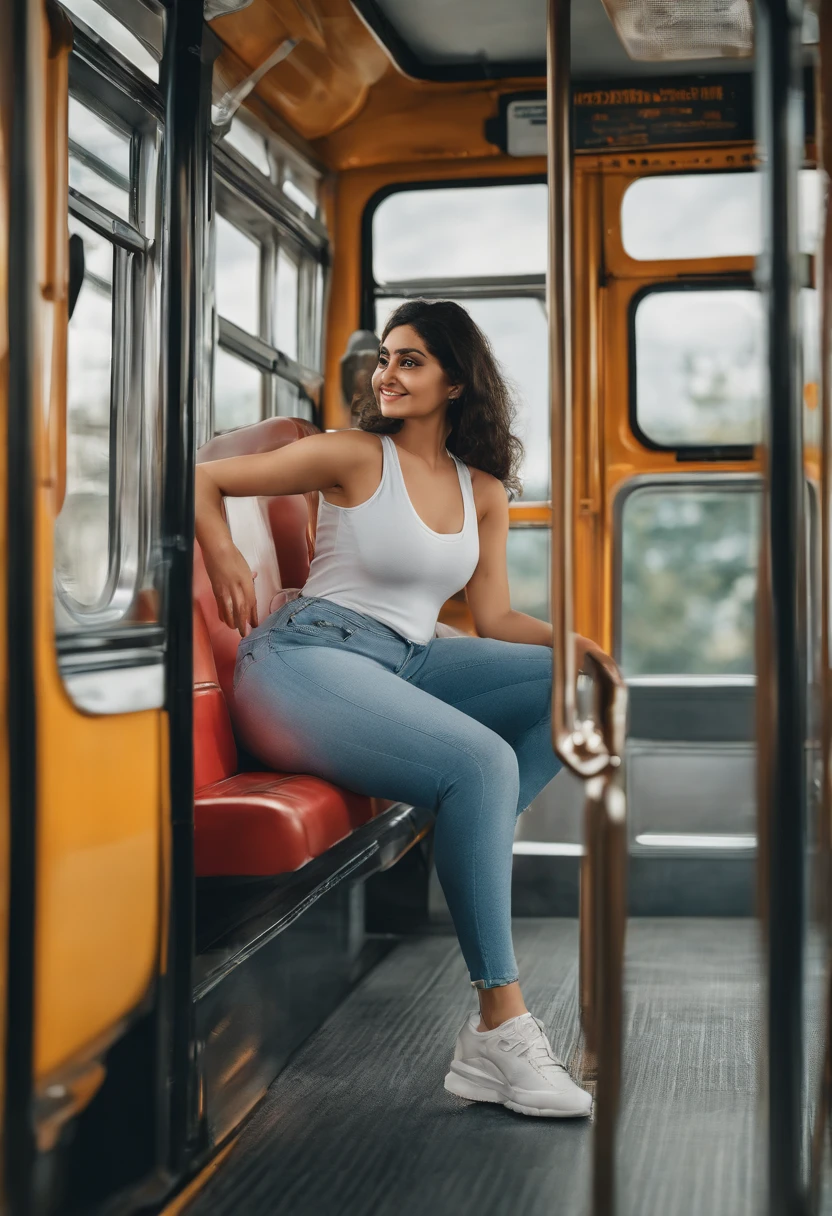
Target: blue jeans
[[460, 725]]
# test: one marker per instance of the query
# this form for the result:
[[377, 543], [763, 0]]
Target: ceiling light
[[683, 29]]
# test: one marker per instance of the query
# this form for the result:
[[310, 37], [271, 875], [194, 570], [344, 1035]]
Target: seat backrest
[[275, 534], [215, 754]]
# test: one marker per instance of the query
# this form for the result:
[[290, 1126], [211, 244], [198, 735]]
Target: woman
[[349, 682]]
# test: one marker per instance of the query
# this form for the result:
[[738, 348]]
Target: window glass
[[300, 191], [699, 367], [291, 402], [238, 392], [82, 530], [250, 144], [99, 160], [528, 570], [98, 253], [237, 276], [458, 232], [689, 577], [111, 30], [517, 331], [286, 336], [707, 215]]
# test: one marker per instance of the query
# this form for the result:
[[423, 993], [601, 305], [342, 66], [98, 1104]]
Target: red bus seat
[[257, 823]]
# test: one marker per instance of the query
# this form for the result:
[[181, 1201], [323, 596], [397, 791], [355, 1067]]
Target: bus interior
[[231, 991]]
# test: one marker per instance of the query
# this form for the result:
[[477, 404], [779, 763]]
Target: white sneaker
[[515, 1066]]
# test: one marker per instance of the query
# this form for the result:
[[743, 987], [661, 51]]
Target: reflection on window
[[708, 215], [460, 232], [528, 570], [82, 530], [516, 329], [111, 30], [287, 304], [238, 392], [689, 576], [237, 276], [99, 160], [699, 367]]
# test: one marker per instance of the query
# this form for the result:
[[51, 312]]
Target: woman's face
[[409, 382]]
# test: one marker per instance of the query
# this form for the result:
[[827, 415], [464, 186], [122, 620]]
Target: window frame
[[255, 205], [477, 287], [735, 281]]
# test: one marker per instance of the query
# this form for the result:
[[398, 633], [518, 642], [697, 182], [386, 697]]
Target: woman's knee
[[492, 762]]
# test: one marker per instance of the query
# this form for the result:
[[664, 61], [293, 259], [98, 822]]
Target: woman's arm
[[488, 591], [316, 462]]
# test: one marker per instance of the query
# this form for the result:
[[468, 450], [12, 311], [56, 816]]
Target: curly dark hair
[[482, 417]]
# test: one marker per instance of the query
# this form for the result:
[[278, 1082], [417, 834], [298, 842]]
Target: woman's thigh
[[506, 686], [344, 717]]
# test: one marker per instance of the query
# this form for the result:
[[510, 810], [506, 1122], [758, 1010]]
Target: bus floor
[[358, 1123]]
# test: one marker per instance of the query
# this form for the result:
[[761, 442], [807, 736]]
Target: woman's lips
[[390, 396]]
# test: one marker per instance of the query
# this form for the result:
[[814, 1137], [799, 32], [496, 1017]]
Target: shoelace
[[535, 1047]]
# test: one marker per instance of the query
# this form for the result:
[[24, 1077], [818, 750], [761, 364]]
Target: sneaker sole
[[475, 1091]]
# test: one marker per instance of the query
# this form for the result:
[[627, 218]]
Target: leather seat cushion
[[259, 824]]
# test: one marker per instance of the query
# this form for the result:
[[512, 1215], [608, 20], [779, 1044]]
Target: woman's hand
[[583, 647], [233, 585]]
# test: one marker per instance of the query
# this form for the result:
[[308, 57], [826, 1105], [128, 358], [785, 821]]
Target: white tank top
[[381, 558]]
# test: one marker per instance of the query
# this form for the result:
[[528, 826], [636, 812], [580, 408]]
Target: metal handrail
[[584, 745], [590, 744]]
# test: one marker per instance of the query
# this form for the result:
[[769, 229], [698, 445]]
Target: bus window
[[489, 241], [82, 533], [238, 392], [99, 21], [269, 286], [99, 160], [529, 555], [689, 578], [105, 544], [238, 276], [697, 358], [286, 327], [707, 215], [249, 144], [457, 232]]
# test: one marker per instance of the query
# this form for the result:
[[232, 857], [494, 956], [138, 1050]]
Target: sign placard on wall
[[628, 115]]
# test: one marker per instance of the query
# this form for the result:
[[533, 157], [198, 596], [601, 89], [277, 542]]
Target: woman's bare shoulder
[[489, 491]]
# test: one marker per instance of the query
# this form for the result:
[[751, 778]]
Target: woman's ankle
[[498, 1005]]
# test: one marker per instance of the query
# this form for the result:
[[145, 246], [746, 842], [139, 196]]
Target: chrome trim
[[241, 189], [476, 288], [545, 848], [117, 231], [268, 358], [683, 681], [693, 840], [116, 690]]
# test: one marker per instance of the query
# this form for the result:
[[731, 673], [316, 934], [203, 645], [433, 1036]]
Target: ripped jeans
[[460, 725]]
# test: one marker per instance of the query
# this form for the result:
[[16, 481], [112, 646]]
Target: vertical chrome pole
[[592, 747], [559, 300], [823, 112], [779, 108]]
